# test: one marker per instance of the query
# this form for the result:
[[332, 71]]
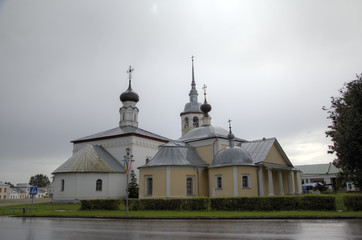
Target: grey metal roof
[[204, 132], [176, 153], [119, 131], [259, 149], [317, 169], [91, 158], [192, 107], [232, 156]]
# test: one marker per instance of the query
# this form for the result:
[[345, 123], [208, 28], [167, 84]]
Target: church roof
[[91, 158], [176, 153], [205, 132], [259, 149], [122, 131], [192, 107]]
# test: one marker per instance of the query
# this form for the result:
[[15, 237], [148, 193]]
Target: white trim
[[235, 179], [168, 181]]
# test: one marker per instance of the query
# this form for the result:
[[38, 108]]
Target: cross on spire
[[130, 71], [204, 88], [229, 124]]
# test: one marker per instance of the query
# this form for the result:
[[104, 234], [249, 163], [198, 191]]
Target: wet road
[[58, 228]]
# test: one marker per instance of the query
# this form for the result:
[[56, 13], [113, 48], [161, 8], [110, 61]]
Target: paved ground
[[11, 202]]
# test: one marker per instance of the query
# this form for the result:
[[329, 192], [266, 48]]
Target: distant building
[[4, 191], [319, 173]]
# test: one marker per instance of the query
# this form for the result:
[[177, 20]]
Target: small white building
[[318, 173]]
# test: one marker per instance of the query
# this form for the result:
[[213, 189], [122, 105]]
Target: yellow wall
[[227, 182], [178, 177], [253, 173], [158, 175], [275, 157], [205, 152]]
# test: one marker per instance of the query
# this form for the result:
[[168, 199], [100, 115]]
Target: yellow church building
[[210, 161]]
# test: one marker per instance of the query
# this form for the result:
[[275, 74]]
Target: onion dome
[[129, 94], [205, 108]]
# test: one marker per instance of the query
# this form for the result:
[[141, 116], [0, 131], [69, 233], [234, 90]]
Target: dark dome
[[205, 108], [232, 156], [129, 95]]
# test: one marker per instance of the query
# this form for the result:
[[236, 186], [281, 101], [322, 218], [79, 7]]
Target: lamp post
[[127, 165]]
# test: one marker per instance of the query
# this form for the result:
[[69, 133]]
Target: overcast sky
[[270, 67]]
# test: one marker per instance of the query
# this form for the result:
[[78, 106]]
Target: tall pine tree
[[133, 186]]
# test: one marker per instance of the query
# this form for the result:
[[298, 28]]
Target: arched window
[[149, 186], [196, 122], [186, 123], [62, 185], [189, 186], [99, 185]]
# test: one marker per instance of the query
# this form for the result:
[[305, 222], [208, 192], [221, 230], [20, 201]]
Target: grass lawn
[[72, 210]]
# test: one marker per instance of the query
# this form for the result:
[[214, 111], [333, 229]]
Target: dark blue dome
[[129, 95]]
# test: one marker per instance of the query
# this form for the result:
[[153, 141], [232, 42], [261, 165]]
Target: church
[[205, 161]]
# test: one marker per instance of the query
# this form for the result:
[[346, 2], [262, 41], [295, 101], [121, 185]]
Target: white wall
[[78, 186], [141, 149]]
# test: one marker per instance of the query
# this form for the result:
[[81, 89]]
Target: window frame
[[62, 185], [218, 184], [247, 176], [148, 186], [192, 186], [99, 185]]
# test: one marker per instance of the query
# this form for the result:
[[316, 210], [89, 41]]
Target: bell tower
[[191, 116], [129, 112]]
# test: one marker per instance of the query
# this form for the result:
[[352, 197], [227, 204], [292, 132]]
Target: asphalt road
[[92, 229]]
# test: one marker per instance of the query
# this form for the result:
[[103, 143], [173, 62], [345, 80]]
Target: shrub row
[[353, 203], [100, 204], [285, 203], [171, 204]]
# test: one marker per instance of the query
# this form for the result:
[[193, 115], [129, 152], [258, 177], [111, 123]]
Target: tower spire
[[193, 92], [231, 136]]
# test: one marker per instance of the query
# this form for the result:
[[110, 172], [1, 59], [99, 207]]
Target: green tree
[[346, 131], [133, 186], [39, 180]]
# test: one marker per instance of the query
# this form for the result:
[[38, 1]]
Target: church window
[[149, 186], [218, 182], [189, 186], [99, 185], [186, 122], [62, 185], [196, 122], [245, 181]]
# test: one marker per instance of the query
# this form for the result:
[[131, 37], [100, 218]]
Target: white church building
[[96, 169]]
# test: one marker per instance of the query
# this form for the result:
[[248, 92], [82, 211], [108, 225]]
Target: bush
[[353, 203], [100, 204], [170, 204], [285, 203]]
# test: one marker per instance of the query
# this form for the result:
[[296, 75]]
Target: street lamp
[[127, 165]]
